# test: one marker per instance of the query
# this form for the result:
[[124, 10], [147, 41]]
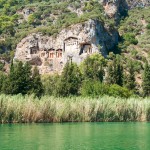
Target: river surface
[[75, 136]]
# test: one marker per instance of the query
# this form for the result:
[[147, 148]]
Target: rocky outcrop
[[114, 7], [74, 42], [25, 13], [138, 3]]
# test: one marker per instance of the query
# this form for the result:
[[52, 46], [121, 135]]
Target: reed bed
[[27, 109]]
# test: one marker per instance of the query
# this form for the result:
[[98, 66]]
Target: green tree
[[37, 86], [110, 74], [119, 74], [146, 80], [118, 91], [130, 81], [70, 80], [15, 79], [3, 77], [27, 84], [19, 79], [93, 88], [115, 71], [50, 84], [93, 67]]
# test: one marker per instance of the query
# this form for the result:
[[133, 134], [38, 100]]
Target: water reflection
[[75, 136]]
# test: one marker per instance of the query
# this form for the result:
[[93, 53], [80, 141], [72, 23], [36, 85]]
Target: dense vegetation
[[19, 109], [21, 80], [18, 18], [135, 35], [95, 77], [80, 93]]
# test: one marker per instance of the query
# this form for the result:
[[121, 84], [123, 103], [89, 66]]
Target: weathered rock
[[74, 42], [114, 7], [26, 12], [138, 3]]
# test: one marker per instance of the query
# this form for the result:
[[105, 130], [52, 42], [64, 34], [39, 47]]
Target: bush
[[1, 66], [93, 88], [93, 67], [148, 26], [130, 38], [118, 91], [50, 84]]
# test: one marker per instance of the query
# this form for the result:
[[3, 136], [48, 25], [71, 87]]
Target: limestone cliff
[[74, 42], [77, 41], [115, 7]]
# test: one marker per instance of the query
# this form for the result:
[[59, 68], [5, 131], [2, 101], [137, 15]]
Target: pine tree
[[130, 78], [119, 74], [110, 74], [19, 79], [3, 78], [15, 78], [146, 80], [37, 87], [70, 80], [115, 72], [27, 81]]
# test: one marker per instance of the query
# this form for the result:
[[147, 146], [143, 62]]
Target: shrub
[[50, 84], [148, 26], [93, 88], [93, 67], [118, 91], [130, 38]]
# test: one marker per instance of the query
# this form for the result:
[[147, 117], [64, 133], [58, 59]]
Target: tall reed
[[20, 109]]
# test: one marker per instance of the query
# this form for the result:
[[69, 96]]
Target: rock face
[[114, 7], [138, 3], [74, 43]]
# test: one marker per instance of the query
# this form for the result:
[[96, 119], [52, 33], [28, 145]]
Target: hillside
[[121, 27], [20, 18], [135, 38]]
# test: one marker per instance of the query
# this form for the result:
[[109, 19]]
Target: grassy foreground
[[19, 109]]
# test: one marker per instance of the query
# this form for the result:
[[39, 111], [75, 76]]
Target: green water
[[75, 136]]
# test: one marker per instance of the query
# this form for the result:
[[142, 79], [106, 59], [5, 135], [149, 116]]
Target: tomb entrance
[[85, 48], [59, 53], [70, 44]]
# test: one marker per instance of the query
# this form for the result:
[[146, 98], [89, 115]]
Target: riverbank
[[20, 109]]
